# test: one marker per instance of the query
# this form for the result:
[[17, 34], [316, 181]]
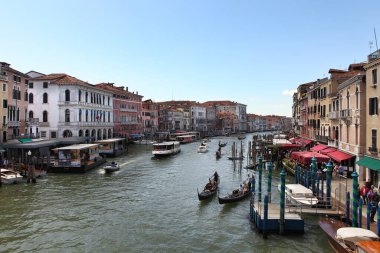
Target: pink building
[[127, 108]]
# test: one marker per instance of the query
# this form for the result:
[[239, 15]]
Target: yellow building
[[371, 160]]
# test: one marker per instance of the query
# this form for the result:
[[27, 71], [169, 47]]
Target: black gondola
[[222, 144], [234, 197], [251, 166], [210, 189]]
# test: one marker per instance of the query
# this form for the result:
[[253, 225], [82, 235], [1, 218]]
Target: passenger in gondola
[[216, 176], [241, 189]]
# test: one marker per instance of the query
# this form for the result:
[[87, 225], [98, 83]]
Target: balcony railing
[[3, 78], [334, 115], [13, 123], [345, 113]]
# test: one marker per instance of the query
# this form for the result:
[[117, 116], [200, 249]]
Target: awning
[[319, 147], [327, 150], [369, 162], [25, 140], [339, 156], [306, 142], [290, 146]]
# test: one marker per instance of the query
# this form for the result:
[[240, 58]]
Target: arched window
[[86, 116], [67, 95], [80, 115], [45, 116], [104, 99], [45, 98], [80, 133], [30, 98], [86, 98], [31, 114], [348, 100], [108, 100], [67, 115], [79, 95]]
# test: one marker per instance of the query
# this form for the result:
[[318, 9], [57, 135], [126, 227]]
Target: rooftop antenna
[[370, 47], [374, 30]]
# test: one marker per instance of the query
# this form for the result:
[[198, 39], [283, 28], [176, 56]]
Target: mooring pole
[[270, 167], [368, 215], [355, 199], [265, 223], [360, 213], [348, 208], [260, 175], [313, 170], [378, 221], [282, 202], [328, 186], [322, 189]]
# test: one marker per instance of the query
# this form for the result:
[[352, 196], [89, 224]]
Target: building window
[[373, 106], [86, 97], [374, 76], [31, 114], [30, 85], [80, 115], [53, 134], [348, 100], [374, 138], [79, 95], [86, 115], [108, 101], [43, 134], [67, 115], [45, 85], [5, 103], [45, 98], [26, 96], [45, 116], [357, 98], [67, 95], [4, 87], [30, 98]]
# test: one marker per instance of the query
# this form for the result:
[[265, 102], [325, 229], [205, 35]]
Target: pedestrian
[[374, 204], [5, 163], [363, 194]]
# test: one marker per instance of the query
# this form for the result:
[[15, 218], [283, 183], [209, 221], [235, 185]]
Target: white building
[[198, 118], [64, 106]]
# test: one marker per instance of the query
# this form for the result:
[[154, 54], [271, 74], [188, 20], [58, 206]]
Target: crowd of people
[[370, 194]]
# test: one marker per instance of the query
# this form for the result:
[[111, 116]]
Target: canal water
[[150, 205]]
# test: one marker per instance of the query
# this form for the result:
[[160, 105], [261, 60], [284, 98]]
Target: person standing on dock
[[374, 205]]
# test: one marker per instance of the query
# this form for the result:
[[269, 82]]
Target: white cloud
[[288, 92]]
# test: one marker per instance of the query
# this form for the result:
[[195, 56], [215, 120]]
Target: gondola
[[212, 188], [241, 137], [234, 197], [251, 166], [235, 158], [222, 144]]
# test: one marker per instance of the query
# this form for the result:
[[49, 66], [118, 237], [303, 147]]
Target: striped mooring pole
[[265, 222], [368, 215], [270, 167], [282, 202], [355, 199], [260, 175], [328, 184], [378, 221], [313, 172]]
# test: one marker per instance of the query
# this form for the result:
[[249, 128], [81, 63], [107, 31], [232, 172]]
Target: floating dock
[[293, 222]]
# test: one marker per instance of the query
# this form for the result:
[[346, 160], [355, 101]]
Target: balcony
[[127, 110], [32, 122], [13, 123], [302, 122], [3, 78], [345, 113], [322, 138], [334, 115], [333, 143], [373, 150]]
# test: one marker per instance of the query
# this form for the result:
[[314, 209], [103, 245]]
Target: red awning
[[290, 146], [306, 157], [327, 150], [319, 147], [339, 156], [306, 142]]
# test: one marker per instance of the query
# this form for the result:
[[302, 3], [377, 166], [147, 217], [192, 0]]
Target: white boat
[[299, 195], [144, 142], [166, 148], [203, 148], [111, 167], [10, 177]]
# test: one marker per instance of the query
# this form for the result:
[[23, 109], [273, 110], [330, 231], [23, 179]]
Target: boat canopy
[[355, 234], [297, 188], [110, 140], [77, 147]]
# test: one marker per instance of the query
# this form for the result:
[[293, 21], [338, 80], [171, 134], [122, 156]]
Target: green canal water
[[150, 205]]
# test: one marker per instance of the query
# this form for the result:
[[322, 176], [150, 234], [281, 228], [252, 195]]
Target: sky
[[253, 52]]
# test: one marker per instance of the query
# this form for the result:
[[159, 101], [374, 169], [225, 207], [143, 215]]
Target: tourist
[[374, 205], [241, 189]]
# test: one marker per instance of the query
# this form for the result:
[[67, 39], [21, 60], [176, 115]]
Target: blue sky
[[253, 52]]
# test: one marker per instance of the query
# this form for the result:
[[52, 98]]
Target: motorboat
[[203, 148], [144, 142], [10, 177], [111, 167], [349, 239], [166, 148], [298, 194]]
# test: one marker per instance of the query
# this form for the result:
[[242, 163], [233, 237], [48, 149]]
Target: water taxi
[[183, 139], [166, 148], [112, 147], [298, 194], [76, 158], [203, 148], [10, 177]]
